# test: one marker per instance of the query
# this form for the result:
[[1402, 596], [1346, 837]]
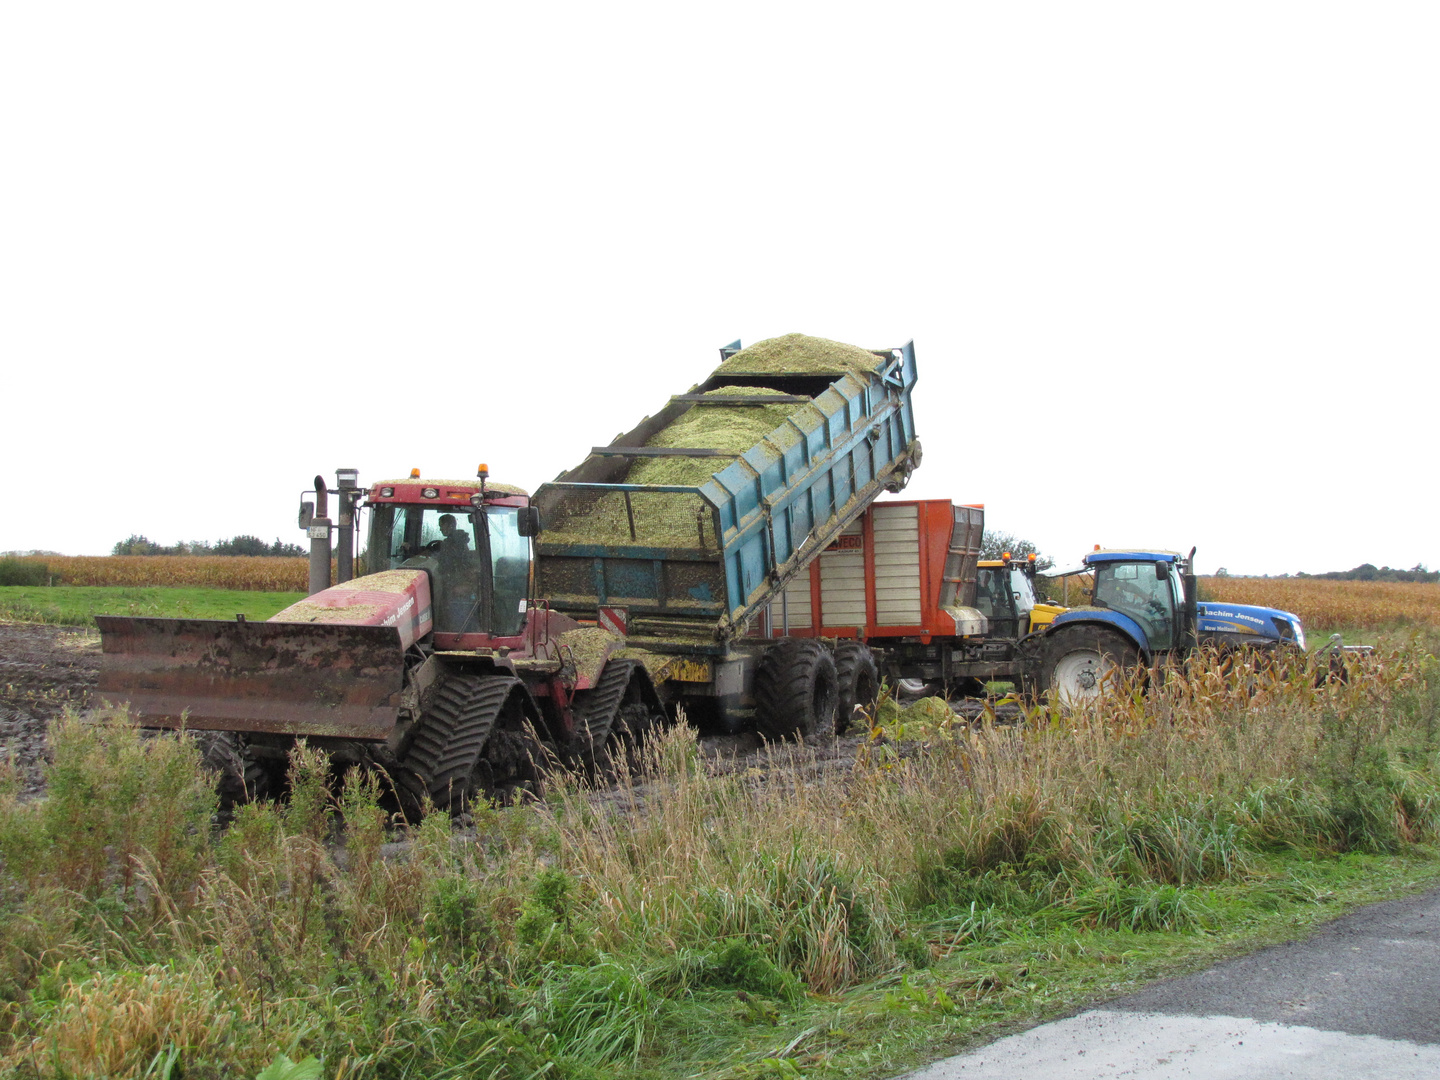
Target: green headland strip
[[77, 605]]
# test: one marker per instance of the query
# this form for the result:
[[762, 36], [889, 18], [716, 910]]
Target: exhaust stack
[[319, 533]]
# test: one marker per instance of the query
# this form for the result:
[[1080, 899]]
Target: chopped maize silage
[[588, 647], [670, 520], [306, 612], [922, 715], [800, 354], [341, 608], [735, 428]]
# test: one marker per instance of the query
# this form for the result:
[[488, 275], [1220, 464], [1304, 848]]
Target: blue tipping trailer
[[692, 565]]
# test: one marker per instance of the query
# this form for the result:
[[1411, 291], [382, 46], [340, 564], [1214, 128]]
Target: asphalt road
[[1359, 999]]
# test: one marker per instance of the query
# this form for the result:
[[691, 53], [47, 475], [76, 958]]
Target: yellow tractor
[[1005, 594]]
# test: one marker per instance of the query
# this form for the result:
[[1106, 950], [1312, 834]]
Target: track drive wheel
[[241, 776], [1083, 663], [615, 716], [858, 683], [796, 691], [475, 741]]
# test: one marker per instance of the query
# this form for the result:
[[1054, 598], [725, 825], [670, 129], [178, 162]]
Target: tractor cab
[[472, 539], [1147, 587], [1005, 595]]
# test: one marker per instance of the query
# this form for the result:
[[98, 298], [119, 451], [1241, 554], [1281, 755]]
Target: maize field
[[248, 572], [1325, 605]]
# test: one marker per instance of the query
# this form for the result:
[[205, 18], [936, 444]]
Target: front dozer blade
[[288, 678]]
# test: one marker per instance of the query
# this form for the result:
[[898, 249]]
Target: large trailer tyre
[[796, 692], [1081, 663], [858, 681]]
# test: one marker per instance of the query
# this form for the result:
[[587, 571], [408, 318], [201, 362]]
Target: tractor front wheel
[[1083, 663]]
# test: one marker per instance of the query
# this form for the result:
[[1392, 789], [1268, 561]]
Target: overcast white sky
[[1171, 271]]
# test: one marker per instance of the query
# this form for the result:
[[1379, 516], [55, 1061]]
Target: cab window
[[413, 536], [992, 595], [1139, 591], [510, 557], [1022, 591]]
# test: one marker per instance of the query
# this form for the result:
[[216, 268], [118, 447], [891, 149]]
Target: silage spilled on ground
[[602, 933]]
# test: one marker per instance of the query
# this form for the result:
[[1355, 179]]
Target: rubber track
[[452, 733], [596, 708]]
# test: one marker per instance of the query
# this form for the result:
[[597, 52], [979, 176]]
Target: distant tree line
[[237, 545], [1370, 572], [995, 544]]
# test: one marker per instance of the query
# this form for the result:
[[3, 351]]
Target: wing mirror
[[307, 513], [1162, 571], [529, 521]]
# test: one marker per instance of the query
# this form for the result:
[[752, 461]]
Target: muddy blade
[[289, 678]]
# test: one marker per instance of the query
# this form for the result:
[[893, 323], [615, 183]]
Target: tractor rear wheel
[[796, 691], [1083, 663], [858, 681]]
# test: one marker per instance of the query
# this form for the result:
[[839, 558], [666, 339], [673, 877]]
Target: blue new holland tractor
[[1144, 610]]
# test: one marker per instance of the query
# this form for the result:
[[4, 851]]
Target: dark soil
[[43, 670]]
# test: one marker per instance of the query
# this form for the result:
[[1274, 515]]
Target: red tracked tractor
[[434, 667], [439, 667]]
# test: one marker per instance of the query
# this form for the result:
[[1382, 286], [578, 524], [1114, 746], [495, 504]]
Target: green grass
[[710, 923], [77, 605], [1029, 970]]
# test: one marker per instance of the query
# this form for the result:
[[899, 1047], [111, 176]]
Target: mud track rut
[[45, 669]]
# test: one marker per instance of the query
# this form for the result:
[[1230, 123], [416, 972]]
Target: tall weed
[[579, 936], [115, 797]]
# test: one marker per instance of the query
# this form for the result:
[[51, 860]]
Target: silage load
[[732, 428], [672, 520], [802, 355]]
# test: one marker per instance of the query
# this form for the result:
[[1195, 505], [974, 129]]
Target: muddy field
[[44, 669]]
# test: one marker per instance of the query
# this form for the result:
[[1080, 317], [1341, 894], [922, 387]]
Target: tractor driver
[[457, 573], [455, 544]]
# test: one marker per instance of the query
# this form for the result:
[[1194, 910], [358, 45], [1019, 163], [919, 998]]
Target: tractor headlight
[[387, 492], [1289, 629], [430, 493]]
